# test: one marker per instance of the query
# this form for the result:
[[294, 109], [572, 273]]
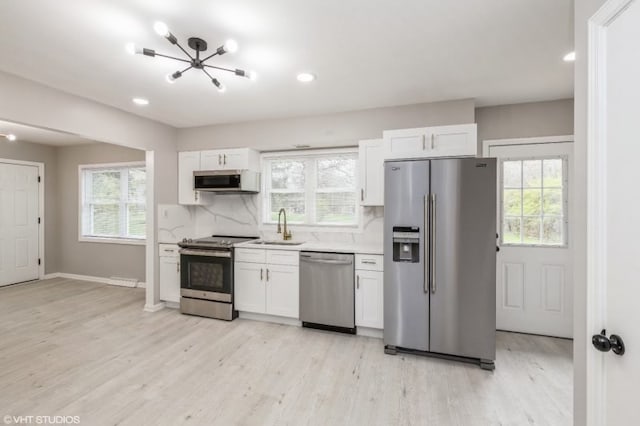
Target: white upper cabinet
[[405, 143], [451, 141], [188, 162], [230, 159], [427, 142], [371, 158]]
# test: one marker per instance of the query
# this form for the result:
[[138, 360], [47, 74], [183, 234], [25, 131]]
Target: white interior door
[[18, 223], [534, 292], [613, 250]]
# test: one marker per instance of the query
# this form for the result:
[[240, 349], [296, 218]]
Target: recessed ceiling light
[[306, 77], [301, 146], [140, 101], [570, 57]]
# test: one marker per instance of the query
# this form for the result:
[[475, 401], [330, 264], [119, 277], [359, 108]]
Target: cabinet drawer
[[168, 250], [250, 255], [283, 257], [369, 262]]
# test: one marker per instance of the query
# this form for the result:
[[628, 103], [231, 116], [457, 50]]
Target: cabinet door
[[188, 162], [235, 159], [371, 158], [170, 279], [369, 302], [211, 160], [283, 290], [405, 143], [448, 141], [249, 287]]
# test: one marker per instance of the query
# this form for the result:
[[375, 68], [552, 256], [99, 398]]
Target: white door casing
[[534, 283], [613, 252], [19, 223]]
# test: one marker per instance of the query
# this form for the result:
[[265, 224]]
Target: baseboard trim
[[110, 281], [370, 332], [154, 308], [269, 318]]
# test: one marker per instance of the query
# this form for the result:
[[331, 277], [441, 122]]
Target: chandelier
[[193, 61]]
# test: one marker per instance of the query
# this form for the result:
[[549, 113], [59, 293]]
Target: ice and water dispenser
[[406, 244]]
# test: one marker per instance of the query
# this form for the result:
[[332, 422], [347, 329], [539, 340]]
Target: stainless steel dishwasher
[[327, 291]]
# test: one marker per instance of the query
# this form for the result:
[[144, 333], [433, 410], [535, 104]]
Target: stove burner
[[214, 241]]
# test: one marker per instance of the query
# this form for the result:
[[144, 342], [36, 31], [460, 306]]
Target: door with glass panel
[[534, 291]]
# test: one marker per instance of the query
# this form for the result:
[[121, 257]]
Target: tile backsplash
[[240, 215]]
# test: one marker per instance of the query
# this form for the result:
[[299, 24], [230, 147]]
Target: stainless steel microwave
[[227, 181]]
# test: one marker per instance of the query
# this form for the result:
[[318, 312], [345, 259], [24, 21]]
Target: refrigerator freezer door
[[406, 304], [463, 285]]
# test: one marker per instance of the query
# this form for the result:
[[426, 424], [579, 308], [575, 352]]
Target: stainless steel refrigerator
[[440, 258]]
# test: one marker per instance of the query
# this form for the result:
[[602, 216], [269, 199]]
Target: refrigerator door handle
[[432, 249], [427, 245]]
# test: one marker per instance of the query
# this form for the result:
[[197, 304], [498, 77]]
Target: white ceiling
[[41, 136], [366, 53]]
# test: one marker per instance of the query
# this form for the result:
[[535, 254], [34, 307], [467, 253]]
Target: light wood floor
[[76, 348]]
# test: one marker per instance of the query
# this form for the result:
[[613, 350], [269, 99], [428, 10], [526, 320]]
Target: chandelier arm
[[185, 52], [210, 56], [173, 57], [186, 69], [220, 68], [208, 75]]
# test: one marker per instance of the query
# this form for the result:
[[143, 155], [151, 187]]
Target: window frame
[[310, 189], [565, 201], [81, 198]]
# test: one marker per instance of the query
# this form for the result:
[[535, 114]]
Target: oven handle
[[210, 253]]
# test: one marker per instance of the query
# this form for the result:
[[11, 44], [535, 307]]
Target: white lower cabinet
[[169, 273], [267, 288], [369, 292]]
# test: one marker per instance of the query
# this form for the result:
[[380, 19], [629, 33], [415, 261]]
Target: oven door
[[206, 274]]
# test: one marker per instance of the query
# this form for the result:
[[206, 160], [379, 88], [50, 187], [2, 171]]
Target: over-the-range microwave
[[227, 181]]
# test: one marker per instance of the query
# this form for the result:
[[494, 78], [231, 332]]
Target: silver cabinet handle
[[432, 250], [433, 140], [224, 158], [358, 282], [423, 143], [368, 262], [427, 227], [196, 195], [178, 266], [260, 274], [219, 159], [362, 194], [267, 274]]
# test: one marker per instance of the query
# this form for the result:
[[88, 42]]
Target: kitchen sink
[[277, 242]]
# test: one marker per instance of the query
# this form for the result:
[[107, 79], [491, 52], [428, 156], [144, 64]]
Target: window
[[314, 188], [534, 201], [113, 202]]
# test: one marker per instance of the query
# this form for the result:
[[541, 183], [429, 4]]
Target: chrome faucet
[[287, 234]]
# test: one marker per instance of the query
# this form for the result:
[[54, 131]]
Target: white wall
[[526, 120], [27, 102], [339, 129], [584, 9]]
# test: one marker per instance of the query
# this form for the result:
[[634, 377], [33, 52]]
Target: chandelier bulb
[[230, 46], [161, 29]]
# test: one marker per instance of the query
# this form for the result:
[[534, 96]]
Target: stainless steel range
[[206, 277]]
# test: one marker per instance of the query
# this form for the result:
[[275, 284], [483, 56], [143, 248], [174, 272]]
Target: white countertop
[[334, 247]]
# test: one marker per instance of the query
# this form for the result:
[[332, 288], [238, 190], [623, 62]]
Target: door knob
[[605, 344]]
